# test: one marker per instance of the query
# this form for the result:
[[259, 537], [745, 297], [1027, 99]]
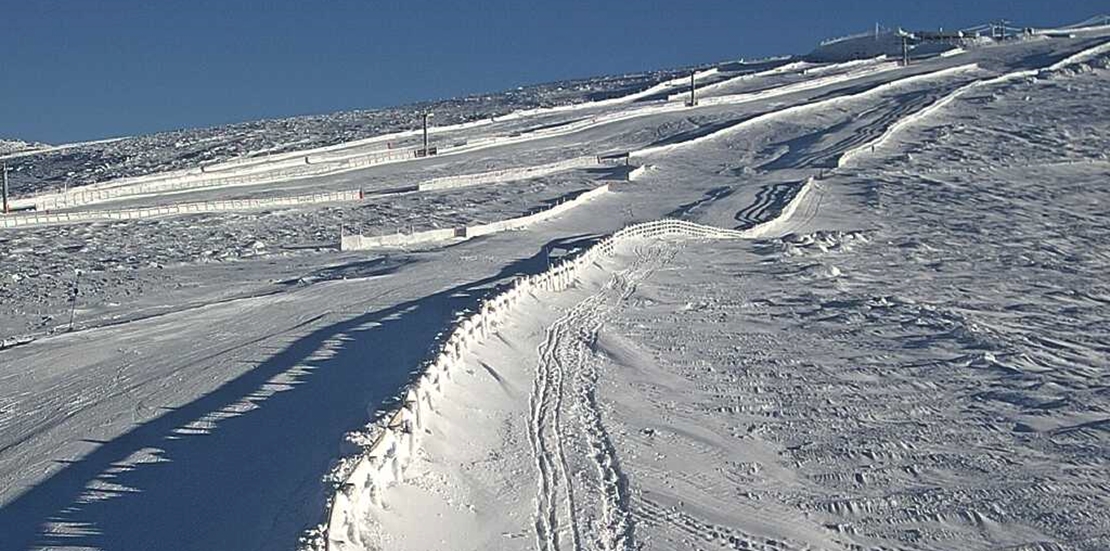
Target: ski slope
[[894, 338]]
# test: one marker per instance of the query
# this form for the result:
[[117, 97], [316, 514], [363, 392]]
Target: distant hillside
[[15, 146], [73, 165]]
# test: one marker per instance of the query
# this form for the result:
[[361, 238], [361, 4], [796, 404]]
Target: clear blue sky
[[83, 69]]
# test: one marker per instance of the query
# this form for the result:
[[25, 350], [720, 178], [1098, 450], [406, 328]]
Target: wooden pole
[[693, 90], [426, 115]]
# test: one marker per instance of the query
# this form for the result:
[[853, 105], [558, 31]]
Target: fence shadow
[[252, 480]]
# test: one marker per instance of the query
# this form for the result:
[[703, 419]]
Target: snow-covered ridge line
[[803, 66], [291, 158], [383, 462], [1096, 23], [300, 164], [662, 86], [846, 64], [802, 85], [508, 174], [56, 148], [759, 119], [795, 65], [359, 242], [52, 218], [944, 101], [11, 147], [732, 99], [1078, 57], [304, 166], [855, 36]]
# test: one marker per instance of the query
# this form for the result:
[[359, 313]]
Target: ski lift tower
[[906, 37], [999, 29]]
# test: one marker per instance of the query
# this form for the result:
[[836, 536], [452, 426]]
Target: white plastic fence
[[383, 462], [200, 180], [508, 174], [358, 242], [44, 218]]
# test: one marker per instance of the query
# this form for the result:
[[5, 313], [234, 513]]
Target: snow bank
[[638, 172], [759, 119], [793, 66], [1078, 57], [1093, 24], [1073, 59], [804, 85], [384, 460]]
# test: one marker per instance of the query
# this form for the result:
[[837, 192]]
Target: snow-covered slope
[[80, 164], [7, 147], [894, 338]]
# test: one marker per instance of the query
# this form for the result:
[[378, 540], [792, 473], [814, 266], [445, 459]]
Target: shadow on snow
[[253, 480]]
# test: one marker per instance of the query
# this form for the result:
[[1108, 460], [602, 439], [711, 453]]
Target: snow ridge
[[946, 100], [363, 479], [806, 107]]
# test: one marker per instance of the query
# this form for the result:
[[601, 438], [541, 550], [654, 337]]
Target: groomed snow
[[874, 375], [909, 354]]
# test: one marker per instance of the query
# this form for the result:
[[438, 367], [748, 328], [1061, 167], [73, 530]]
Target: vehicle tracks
[[582, 495]]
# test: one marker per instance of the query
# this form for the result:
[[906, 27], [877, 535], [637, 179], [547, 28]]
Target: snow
[[80, 164], [888, 332], [9, 147], [768, 394]]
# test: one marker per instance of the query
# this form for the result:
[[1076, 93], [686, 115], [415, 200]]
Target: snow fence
[[358, 242], [45, 218], [302, 167], [384, 461], [508, 174]]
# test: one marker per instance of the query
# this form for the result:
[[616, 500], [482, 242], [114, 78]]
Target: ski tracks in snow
[[582, 497]]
